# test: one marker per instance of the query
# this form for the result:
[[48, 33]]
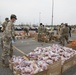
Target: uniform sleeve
[[9, 29], [3, 25], [38, 29], [13, 31], [61, 31]]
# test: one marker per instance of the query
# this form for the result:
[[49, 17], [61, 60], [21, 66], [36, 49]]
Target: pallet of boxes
[[44, 38], [19, 36], [52, 60], [23, 35], [72, 44], [56, 37], [73, 31]]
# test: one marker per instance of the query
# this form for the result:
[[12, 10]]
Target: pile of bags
[[22, 35], [27, 67], [52, 53], [19, 34]]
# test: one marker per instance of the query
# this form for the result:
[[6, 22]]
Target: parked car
[[18, 28], [0, 27], [33, 28]]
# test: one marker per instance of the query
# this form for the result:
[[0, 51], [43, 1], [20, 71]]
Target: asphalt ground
[[28, 45]]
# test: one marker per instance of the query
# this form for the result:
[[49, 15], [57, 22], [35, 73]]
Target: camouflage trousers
[[39, 36], [7, 48], [2, 42], [64, 39]]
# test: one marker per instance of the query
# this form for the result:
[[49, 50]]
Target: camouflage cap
[[13, 16], [6, 18], [40, 23], [66, 23], [62, 23]]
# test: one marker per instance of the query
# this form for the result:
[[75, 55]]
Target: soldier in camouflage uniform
[[8, 36], [26, 31], [44, 30], [39, 32], [64, 34], [3, 28]]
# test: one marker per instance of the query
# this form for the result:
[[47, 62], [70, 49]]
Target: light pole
[[0, 19], [39, 18], [52, 12]]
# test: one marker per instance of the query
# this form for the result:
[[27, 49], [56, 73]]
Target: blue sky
[[27, 11]]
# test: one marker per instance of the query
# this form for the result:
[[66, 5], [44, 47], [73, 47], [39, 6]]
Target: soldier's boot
[[4, 65]]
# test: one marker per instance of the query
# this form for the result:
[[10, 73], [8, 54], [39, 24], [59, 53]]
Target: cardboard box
[[73, 47], [70, 46], [36, 36], [17, 72], [42, 73], [56, 37], [45, 39], [11, 65], [55, 68], [74, 60], [67, 64]]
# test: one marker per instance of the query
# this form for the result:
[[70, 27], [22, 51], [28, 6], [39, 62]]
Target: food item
[[27, 67], [52, 53]]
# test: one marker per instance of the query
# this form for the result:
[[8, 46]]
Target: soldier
[[58, 30], [5, 24], [70, 31], [64, 34], [26, 31], [39, 32], [8, 36], [3, 28], [44, 30]]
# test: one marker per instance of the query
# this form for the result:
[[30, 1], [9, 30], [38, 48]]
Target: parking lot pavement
[[71, 71], [4, 71], [29, 45]]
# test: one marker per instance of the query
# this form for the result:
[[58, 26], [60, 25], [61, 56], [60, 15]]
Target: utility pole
[[52, 12], [0, 19], [39, 18]]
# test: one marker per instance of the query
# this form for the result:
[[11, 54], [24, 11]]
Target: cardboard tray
[[55, 68], [11, 64], [17, 72], [74, 60], [67, 64], [39, 73], [73, 47]]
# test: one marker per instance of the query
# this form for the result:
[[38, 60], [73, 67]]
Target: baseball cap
[[13, 16], [6, 18]]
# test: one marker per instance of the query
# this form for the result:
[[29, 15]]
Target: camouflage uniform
[[64, 35], [8, 35], [39, 32], [3, 28], [26, 31], [44, 30]]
